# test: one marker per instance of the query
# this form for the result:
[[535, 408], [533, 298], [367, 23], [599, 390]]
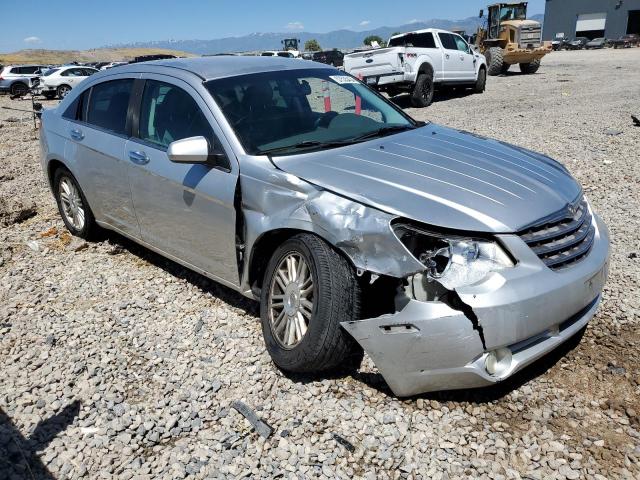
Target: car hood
[[443, 177]]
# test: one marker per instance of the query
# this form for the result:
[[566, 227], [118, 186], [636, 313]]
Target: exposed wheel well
[[378, 296], [51, 169], [425, 68], [262, 250]]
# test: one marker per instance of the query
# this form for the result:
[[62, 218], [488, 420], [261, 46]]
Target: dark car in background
[[330, 57], [577, 43], [626, 41]]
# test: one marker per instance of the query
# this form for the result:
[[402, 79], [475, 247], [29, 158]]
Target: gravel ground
[[118, 363]]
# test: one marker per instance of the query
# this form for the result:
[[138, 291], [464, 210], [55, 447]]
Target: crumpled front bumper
[[528, 309]]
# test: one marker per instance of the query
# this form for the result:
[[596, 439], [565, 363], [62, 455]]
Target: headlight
[[453, 261]]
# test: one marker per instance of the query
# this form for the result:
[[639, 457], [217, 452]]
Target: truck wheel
[[422, 94], [18, 89], [308, 290], [531, 67], [481, 81], [495, 61]]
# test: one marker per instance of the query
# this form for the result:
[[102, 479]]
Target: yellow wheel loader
[[510, 38]]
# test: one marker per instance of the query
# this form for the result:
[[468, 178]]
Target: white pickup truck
[[419, 61]]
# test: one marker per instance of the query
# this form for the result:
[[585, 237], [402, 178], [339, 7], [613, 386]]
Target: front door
[[185, 210], [467, 60]]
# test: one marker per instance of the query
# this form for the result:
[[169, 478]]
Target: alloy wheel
[[71, 202], [291, 300]]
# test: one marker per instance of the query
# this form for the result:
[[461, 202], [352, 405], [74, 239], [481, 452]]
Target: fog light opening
[[498, 362]]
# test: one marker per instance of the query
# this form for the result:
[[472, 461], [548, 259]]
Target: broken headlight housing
[[453, 261]]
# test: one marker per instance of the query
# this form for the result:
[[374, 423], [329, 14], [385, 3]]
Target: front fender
[[275, 200]]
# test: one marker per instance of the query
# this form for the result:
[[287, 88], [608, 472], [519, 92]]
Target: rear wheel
[[73, 206], [531, 67], [308, 289], [19, 89], [63, 90], [495, 61], [423, 90], [481, 81]]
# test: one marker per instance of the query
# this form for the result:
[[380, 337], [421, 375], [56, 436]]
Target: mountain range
[[342, 39]]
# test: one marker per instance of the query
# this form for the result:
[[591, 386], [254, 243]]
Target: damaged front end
[[443, 310], [475, 316]]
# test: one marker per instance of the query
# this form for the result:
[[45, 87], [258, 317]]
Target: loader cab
[[501, 13]]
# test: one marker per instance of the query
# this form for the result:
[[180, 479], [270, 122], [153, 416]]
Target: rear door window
[[108, 105]]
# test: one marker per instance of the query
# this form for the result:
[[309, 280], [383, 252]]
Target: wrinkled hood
[[443, 177]]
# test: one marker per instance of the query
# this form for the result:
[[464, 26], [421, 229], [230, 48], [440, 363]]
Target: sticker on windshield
[[341, 79]]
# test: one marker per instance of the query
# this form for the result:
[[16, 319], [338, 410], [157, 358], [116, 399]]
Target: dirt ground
[[116, 363]]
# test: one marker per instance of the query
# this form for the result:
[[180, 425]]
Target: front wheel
[[423, 90], [531, 67], [308, 289], [481, 82]]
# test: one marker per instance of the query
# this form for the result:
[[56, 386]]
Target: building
[[591, 18]]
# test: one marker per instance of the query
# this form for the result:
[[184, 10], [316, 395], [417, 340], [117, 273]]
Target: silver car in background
[[451, 259]]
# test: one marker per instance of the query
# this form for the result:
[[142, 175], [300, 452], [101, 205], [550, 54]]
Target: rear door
[[185, 210], [95, 146], [451, 65]]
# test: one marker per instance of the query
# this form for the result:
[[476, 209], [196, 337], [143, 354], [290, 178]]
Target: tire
[[422, 95], [18, 89], [74, 205], [335, 297], [481, 81], [531, 67], [62, 91], [495, 61]]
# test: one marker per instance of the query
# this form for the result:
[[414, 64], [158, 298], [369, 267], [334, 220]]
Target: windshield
[[285, 111], [513, 13]]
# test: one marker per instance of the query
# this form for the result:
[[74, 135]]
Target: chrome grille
[[563, 239]]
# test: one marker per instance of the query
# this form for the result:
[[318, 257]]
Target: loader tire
[[531, 67], [495, 61]]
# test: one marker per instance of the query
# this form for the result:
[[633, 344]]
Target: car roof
[[210, 68], [423, 30]]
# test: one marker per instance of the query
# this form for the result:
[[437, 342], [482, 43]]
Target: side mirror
[[189, 150], [481, 13]]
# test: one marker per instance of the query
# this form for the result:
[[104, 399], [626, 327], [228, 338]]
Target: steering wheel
[[325, 119]]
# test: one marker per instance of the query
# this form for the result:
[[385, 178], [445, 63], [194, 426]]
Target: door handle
[[138, 157], [462, 57], [76, 134]]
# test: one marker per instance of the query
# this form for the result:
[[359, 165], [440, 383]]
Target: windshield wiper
[[381, 132], [306, 144]]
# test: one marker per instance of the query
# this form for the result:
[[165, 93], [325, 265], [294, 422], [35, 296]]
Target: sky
[[84, 24]]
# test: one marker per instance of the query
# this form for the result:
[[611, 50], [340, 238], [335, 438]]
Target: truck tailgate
[[373, 63]]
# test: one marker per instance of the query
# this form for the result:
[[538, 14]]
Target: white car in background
[[57, 82]]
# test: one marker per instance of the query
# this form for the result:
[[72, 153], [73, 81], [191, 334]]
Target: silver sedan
[[451, 259]]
